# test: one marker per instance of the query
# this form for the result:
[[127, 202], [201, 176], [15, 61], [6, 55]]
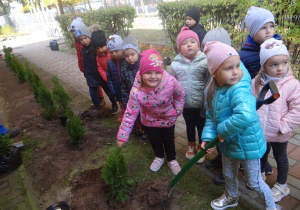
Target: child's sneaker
[[115, 109], [156, 164], [279, 192], [201, 160], [224, 202], [190, 151], [144, 138], [174, 166]]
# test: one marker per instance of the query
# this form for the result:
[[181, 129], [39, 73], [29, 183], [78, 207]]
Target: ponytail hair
[[211, 91]]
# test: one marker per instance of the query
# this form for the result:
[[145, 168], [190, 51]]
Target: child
[[131, 53], [113, 73], [261, 24], [98, 40], [192, 18], [231, 115], [282, 116], [190, 69], [73, 27], [93, 78], [159, 98]]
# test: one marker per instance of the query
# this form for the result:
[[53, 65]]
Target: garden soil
[[52, 162]]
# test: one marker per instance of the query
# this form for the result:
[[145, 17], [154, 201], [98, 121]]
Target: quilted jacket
[[249, 55], [233, 116], [78, 48], [281, 117], [102, 64], [128, 73], [158, 107], [93, 78], [193, 78], [113, 74]]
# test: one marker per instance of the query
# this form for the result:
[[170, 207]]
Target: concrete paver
[[64, 66]]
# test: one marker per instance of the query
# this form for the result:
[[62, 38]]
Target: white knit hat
[[270, 48], [114, 42], [257, 17]]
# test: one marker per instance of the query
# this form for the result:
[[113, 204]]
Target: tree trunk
[[61, 11], [89, 3]]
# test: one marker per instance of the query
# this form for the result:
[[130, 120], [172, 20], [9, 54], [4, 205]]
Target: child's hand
[[221, 139], [208, 151], [120, 143]]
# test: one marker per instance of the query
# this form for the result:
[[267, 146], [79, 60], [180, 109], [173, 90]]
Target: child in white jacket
[[281, 117]]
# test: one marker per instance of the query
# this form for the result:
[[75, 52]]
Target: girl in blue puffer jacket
[[231, 115]]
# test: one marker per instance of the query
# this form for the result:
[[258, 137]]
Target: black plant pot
[[63, 120], [13, 161]]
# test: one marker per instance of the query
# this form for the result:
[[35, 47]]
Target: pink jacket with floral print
[[281, 117], [159, 107]]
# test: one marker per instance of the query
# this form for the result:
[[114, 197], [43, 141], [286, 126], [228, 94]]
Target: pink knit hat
[[151, 61], [184, 34], [216, 53]]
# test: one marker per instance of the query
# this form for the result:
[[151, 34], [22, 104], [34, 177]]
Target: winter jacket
[[200, 31], [113, 74], [93, 78], [281, 117], [102, 64], [249, 55], [78, 48], [158, 107], [193, 78], [233, 116], [128, 73]]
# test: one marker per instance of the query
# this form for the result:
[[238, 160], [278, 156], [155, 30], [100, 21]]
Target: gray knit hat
[[82, 30], [74, 24], [216, 34], [257, 17], [114, 42], [129, 42], [270, 48]]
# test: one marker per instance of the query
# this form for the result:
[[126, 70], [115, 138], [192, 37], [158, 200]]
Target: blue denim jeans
[[253, 174], [3, 130], [94, 96]]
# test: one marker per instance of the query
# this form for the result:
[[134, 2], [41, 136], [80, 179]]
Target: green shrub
[[7, 56], [115, 175], [28, 72], [7, 30], [113, 20], [35, 81], [61, 98], [5, 146], [75, 130], [18, 68], [229, 14], [46, 101]]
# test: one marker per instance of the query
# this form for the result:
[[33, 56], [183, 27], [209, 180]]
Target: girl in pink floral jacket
[[281, 117], [159, 98]]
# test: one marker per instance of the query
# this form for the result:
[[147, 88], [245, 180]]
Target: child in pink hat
[[190, 69], [231, 116], [159, 98]]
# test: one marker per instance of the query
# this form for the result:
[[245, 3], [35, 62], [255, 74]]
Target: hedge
[[113, 20], [229, 14]]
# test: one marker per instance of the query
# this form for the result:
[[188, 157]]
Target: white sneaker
[[156, 164], [174, 166], [279, 192]]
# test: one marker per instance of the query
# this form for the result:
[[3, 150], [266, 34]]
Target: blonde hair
[[212, 87]]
